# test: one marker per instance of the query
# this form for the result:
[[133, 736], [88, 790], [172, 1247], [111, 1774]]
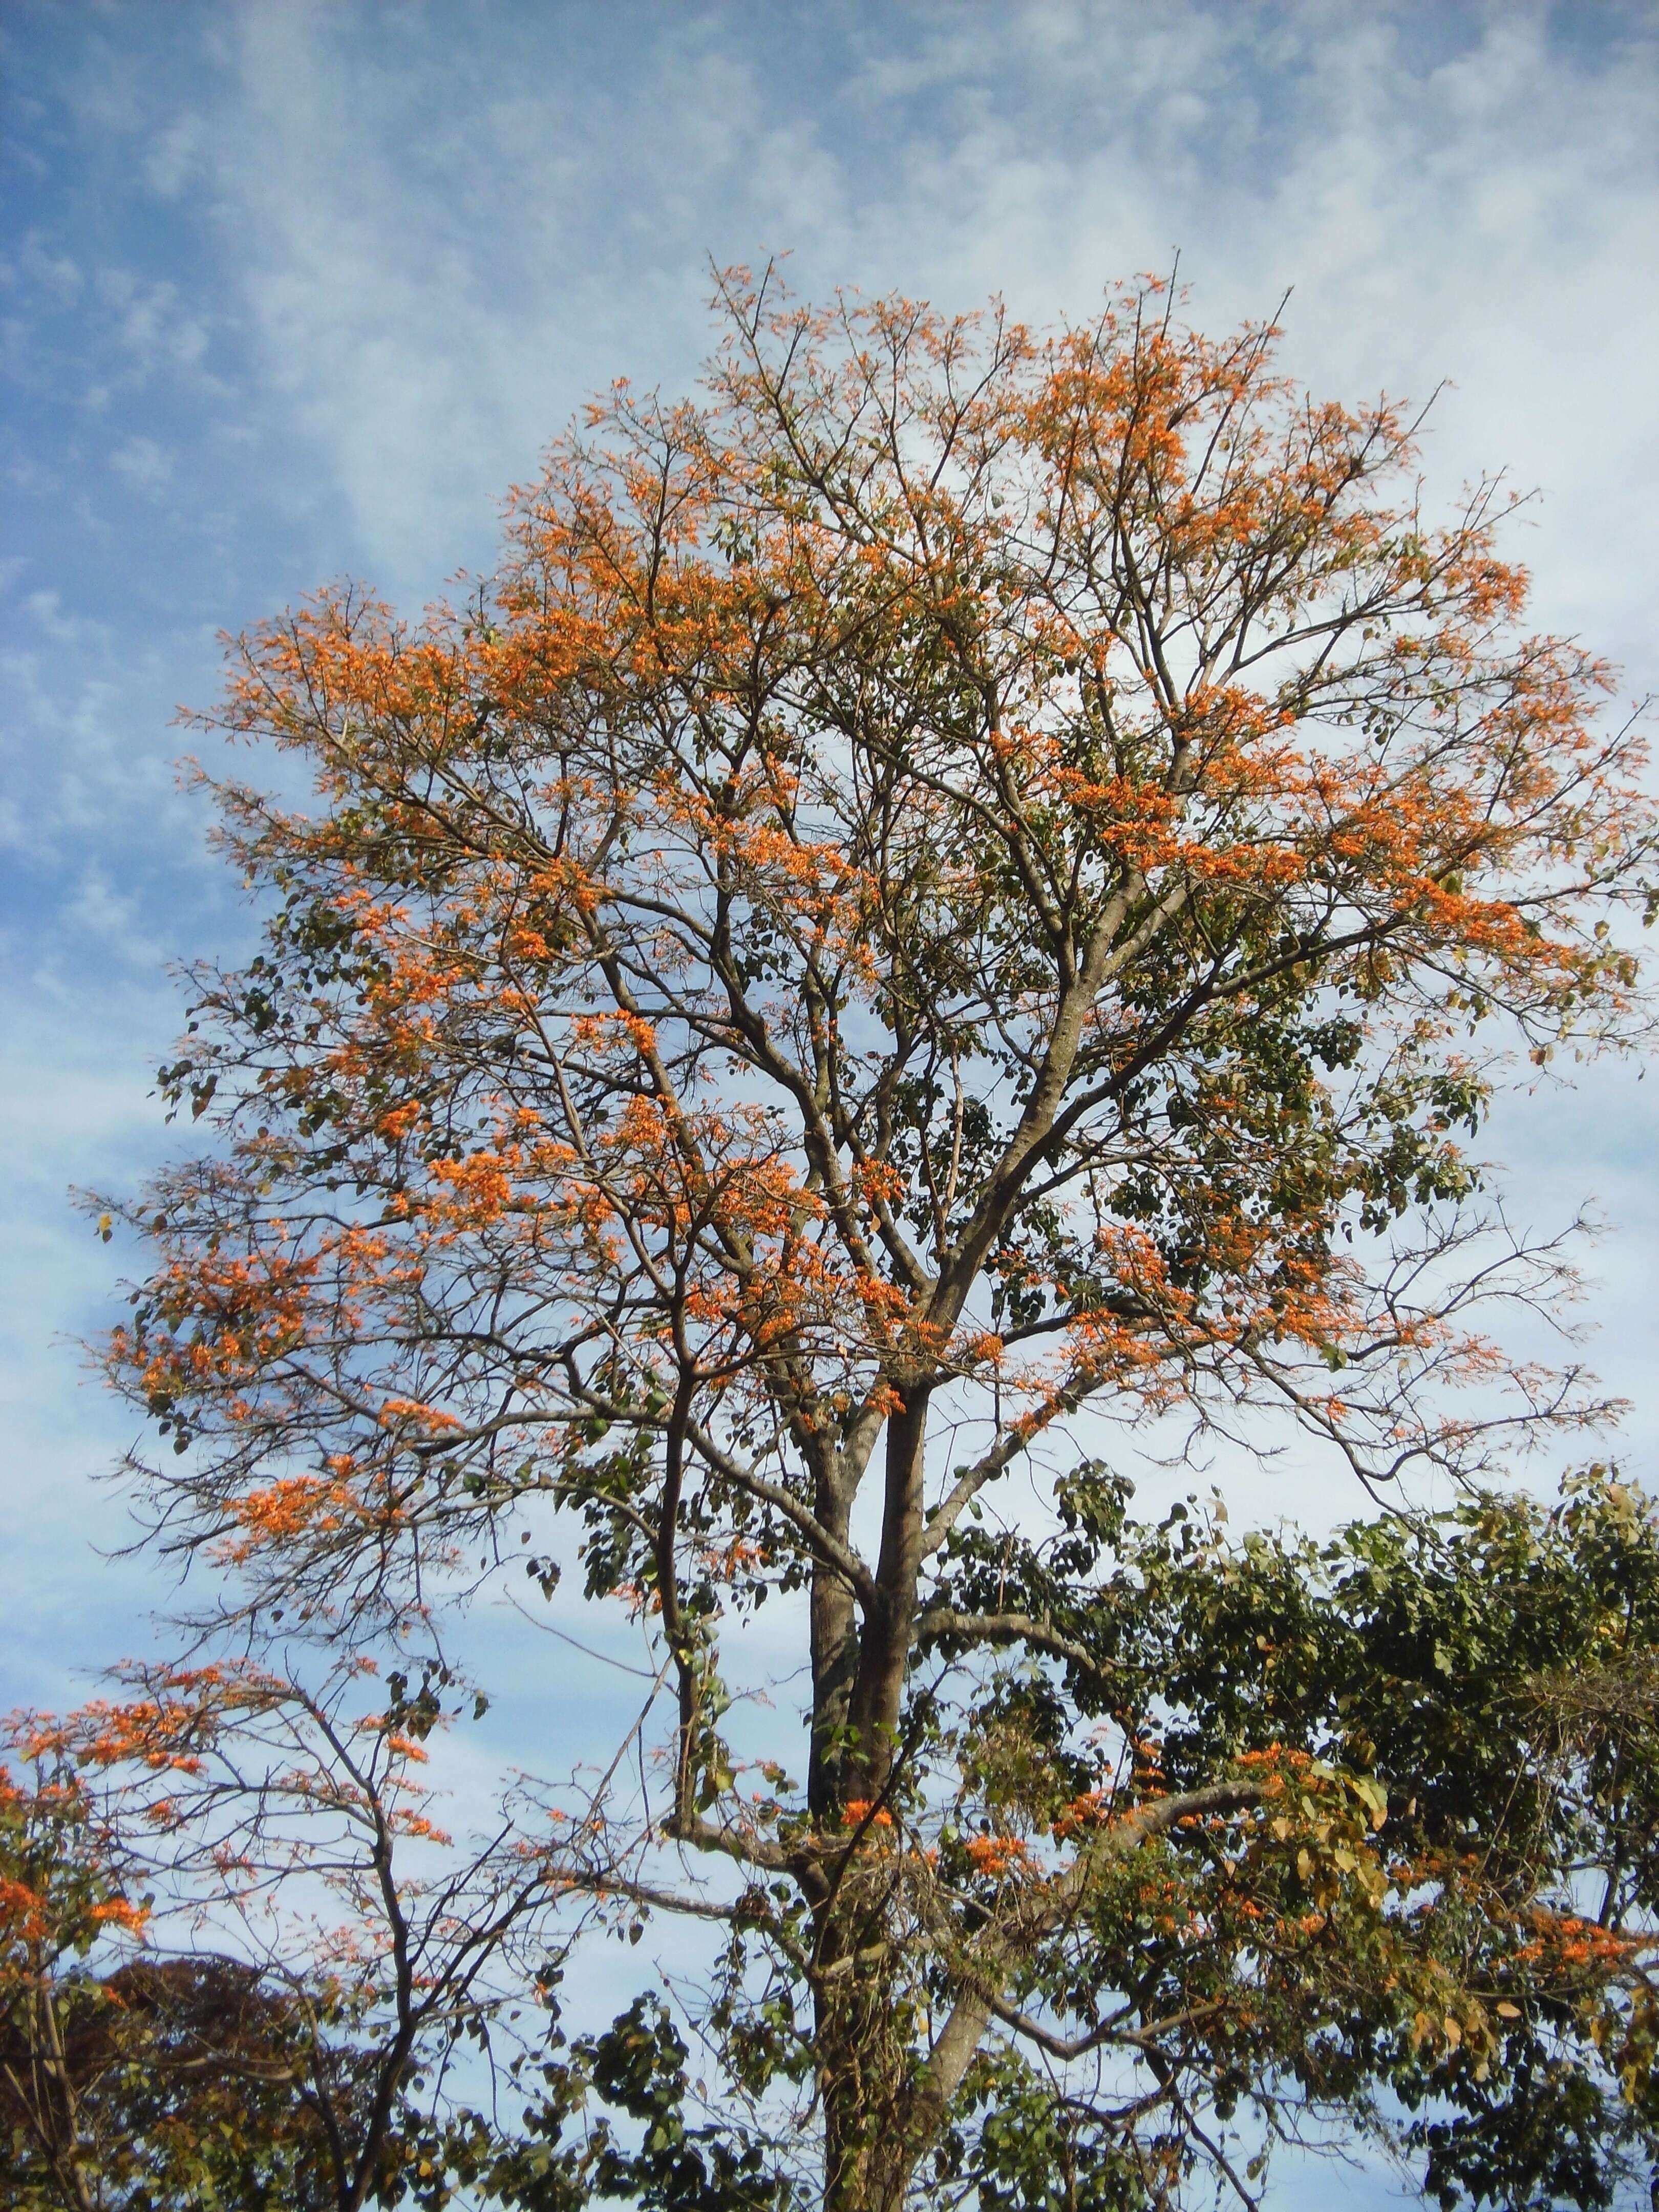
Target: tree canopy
[[950, 913]]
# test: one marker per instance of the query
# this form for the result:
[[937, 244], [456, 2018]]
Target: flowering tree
[[949, 895]]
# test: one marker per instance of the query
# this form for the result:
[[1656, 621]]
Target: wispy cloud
[[441, 244], [143, 463]]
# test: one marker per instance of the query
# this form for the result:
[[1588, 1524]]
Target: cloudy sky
[[293, 290]]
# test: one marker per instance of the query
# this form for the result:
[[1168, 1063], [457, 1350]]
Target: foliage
[[128, 2081], [1448, 1903], [959, 891], [289, 2073]]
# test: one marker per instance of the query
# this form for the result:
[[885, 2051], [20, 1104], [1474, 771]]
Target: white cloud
[[437, 272], [88, 747], [58, 274], [148, 322], [1489, 217], [173, 161], [45, 611], [146, 465], [441, 244], [116, 921]]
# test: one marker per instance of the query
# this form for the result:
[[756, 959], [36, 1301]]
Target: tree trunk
[[835, 1666], [884, 1648], [862, 2066]]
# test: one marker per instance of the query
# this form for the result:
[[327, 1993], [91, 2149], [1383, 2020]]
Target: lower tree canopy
[[1417, 1910], [949, 916]]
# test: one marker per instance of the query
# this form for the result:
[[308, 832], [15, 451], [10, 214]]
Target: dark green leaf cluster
[[1441, 1927]]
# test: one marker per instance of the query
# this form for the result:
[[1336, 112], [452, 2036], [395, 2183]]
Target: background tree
[[949, 894], [292, 1988], [61, 1895]]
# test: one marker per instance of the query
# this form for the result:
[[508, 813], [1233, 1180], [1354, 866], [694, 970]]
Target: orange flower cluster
[[858, 1810], [996, 1856]]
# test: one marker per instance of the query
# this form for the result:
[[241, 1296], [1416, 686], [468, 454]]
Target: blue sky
[[290, 290]]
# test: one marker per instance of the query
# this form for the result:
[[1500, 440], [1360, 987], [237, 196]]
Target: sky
[[292, 291]]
